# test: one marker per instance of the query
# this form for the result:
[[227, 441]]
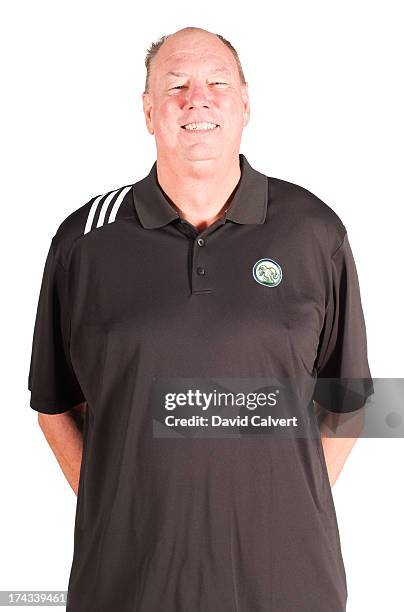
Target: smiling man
[[205, 271], [196, 104]]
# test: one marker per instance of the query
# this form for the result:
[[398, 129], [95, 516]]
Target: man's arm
[[64, 434], [336, 447]]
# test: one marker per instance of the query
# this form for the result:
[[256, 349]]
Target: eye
[[215, 83]]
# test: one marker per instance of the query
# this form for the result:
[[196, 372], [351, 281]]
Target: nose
[[198, 96]]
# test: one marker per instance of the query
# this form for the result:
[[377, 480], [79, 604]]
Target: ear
[[147, 110], [246, 103]]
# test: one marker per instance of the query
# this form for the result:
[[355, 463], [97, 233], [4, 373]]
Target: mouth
[[200, 126]]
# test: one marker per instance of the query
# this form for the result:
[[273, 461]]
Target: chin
[[195, 155]]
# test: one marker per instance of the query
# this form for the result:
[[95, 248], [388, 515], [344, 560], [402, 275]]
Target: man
[[205, 270]]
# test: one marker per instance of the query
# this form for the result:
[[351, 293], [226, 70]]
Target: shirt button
[[200, 271], [201, 241]]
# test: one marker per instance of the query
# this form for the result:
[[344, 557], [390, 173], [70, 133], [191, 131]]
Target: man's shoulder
[[303, 209], [98, 212]]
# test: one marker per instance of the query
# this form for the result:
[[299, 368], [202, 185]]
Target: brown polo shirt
[[136, 306]]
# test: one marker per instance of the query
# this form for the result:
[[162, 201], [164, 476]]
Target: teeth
[[200, 126]]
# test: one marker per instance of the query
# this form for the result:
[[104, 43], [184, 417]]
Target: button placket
[[199, 271]]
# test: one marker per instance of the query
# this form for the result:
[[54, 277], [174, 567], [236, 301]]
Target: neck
[[199, 191]]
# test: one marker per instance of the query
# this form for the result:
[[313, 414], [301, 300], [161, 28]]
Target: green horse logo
[[267, 272]]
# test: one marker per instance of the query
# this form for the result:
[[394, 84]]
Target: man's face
[[194, 78]]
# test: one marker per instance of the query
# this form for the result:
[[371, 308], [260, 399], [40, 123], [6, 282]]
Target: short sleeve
[[52, 381], [343, 377]]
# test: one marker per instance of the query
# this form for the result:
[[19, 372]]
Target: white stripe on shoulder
[[122, 191], [104, 207], [117, 203], [91, 213]]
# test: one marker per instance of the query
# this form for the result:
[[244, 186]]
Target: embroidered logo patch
[[267, 272]]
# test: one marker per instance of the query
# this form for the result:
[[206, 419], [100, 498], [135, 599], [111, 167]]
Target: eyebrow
[[184, 74]]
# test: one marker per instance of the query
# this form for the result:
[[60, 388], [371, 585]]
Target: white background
[[326, 90]]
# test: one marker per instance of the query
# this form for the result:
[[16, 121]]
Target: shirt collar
[[248, 204]]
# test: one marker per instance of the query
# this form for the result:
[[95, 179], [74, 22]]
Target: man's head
[[195, 76]]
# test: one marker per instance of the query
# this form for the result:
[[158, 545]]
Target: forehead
[[202, 54]]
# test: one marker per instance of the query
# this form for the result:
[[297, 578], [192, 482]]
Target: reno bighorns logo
[[267, 272]]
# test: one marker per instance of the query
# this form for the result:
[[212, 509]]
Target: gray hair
[[155, 46]]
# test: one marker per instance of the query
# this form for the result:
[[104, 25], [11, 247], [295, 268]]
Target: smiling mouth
[[201, 126]]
